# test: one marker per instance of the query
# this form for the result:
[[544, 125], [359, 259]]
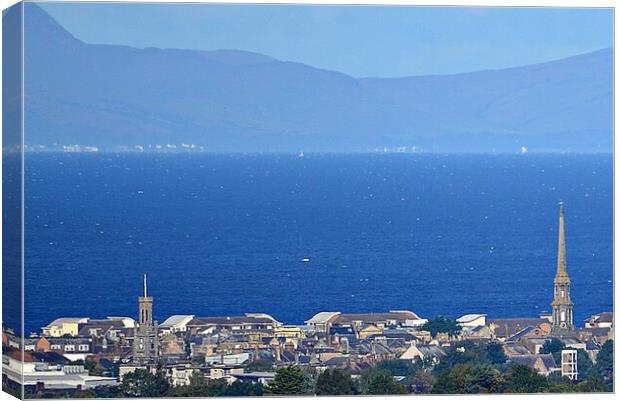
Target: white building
[[569, 364], [42, 375], [176, 324], [64, 326]]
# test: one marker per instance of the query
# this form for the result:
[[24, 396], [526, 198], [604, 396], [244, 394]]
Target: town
[[333, 353]]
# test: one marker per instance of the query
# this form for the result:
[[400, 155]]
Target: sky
[[361, 41]]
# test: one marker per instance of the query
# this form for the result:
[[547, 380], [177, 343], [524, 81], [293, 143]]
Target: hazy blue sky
[[360, 41]]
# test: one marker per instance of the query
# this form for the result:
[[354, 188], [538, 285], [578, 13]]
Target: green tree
[[382, 383], [259, 365], [442, 324], [85, 394], [522, 379], [216, 388], [91, 365], [290, 380], [397, 367], [422, 382], [244, 389], [605, 360], [552, 346], [470, 379], [142, 383], [594, 383], [562, 388], [584, 364], [334, 382], [495, 353], [465, 352]]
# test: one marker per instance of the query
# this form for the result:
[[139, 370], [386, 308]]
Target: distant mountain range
[[230, 100]]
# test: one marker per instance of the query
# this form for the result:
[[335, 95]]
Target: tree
[[422, 382], [85, 394], [594, 383], [584, 364], [259, 365], [142, 383], [91, 366], [552, 346], [522, 379], [382, 383], [398, 367], [442, 324], [470, 379], [465, 352], [289, 380], [495, 353], [334, 382], [245, 389], [605, 360], [561, 388]]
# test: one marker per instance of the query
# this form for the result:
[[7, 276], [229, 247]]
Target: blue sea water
[[227, 234]]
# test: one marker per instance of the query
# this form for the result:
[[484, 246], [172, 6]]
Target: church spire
[[561, 274], [562, 304], [145, 294]]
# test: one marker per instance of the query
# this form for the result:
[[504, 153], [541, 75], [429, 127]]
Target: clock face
[[563, 325]]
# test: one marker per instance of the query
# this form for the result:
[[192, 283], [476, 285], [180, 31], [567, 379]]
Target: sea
[[226, 234]]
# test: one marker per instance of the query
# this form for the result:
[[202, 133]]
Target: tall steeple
[[562, 304], [146, 344], [561, 274]]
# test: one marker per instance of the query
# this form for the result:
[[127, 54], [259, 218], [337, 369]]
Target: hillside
[[230, 100]]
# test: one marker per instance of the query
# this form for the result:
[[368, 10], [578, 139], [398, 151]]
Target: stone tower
[[145, 344], [562, 304]]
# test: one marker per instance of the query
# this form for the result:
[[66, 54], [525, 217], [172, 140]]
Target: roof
[[104, 325], [530, 360], [176, 320], [517, 349], [49, 357], [598, 331], [399, 316], [65, 320], [527, 360], [509, 327], [70, 340], [338, 361], [520, 334], [470, 318], [603, 317], [426, 351], [225, 320], [255, 375], [367, 347], [322, 317], [341, 330], [548, 361]]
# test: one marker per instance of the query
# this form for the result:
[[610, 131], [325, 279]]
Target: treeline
[[467, 368]]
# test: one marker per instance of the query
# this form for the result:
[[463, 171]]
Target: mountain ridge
[[234, 100]]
